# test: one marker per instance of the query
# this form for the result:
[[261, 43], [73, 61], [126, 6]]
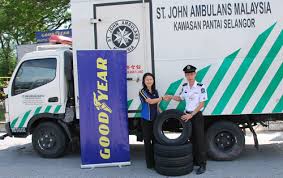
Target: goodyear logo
[[100, 100]]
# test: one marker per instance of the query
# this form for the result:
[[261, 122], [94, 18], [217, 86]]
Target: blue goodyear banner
[[43, 37], [103, 108]]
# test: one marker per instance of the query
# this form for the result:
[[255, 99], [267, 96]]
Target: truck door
[[126, 25], [33, 89]]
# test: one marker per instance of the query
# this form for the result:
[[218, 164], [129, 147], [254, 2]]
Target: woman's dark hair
[[143, 78]]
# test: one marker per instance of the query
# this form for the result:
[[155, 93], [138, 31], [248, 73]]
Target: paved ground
[[17, 159]]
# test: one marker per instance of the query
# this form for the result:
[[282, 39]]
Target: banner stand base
[[91, 166]]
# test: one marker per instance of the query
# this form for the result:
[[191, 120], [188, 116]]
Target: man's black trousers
[[147, 130], [198, 139]]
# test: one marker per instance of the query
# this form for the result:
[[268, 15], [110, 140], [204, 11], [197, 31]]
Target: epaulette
[[200, 84], [185, 84]]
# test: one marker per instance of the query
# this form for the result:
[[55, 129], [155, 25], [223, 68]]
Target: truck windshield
[[34, 73]]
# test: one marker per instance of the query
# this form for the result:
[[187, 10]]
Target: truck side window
[[33, 74]]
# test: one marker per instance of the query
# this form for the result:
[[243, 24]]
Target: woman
[[149, 99]]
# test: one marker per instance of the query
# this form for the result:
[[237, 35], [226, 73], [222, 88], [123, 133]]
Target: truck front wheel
[[49, 140], [225, 140]]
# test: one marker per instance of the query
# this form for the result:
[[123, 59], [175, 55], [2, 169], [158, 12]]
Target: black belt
[[190, 112]]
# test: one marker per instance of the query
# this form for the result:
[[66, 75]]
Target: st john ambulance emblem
[[123, 34]]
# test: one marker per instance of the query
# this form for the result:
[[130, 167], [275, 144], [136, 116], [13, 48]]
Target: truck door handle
[[137, 79], [53, 99]]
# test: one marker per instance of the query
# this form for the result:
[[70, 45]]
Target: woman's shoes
[[150, 166], [201, 170]]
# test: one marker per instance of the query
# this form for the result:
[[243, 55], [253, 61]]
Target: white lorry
[[236, 46]]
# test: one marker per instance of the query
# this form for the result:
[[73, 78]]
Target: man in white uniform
[[195, 95]]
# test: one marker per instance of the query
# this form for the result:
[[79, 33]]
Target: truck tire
[[158, 131], [49, 140], [225, 140], [173, 162], [174, 171], [173, 151]]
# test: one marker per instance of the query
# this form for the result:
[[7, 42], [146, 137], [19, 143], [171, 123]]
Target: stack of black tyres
[[173, 157]]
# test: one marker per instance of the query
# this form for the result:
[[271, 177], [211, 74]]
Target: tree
[[20, 19]]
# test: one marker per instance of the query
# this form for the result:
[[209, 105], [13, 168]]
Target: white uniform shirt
[[193, 96]]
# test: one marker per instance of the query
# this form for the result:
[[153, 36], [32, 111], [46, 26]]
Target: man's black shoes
[[150, 166], [201, 170]]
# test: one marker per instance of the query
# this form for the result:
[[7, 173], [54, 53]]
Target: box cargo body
[[236, 46]]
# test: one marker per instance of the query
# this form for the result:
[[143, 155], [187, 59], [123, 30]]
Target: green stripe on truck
[[269, 90], [47, 109], [138, 114], [218, 77], [201, 73], [37, 110], [279, 107], [129, 103], [259, 74], [234, 83], [170, 91], [57, 109], [14, 122], [24, 119]]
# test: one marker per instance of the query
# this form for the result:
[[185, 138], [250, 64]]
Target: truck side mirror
[[5, 90]]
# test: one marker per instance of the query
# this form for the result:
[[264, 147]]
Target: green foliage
[[7, 62], [2, 115], [20, 19]]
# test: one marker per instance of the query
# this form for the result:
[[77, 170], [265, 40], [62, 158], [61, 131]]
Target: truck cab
[[41, 88]]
